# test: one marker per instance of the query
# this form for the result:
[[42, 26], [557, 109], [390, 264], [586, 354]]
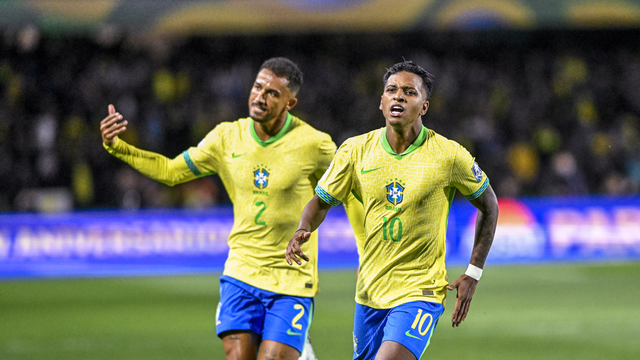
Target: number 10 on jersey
[[392, 229]]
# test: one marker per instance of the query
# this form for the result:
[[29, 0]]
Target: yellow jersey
[[269, 183], [406, 199]]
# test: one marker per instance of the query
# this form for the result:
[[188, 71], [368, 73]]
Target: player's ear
[[425, 107], [291, 103], [380, 107]]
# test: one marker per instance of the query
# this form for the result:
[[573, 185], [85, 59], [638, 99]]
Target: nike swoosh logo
[[234, 155], [363, 171], [289, 332], [412, 336]]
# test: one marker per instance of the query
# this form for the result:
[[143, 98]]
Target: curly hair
[[409, 66], [286, 68]]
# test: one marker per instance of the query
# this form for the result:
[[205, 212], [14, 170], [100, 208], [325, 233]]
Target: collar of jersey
[[285, 129], [414, 145]]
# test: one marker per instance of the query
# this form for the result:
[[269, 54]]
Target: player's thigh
[[368, 331], [240, 344], [287, 321], [410, 325], [393, 350], [238, 310], [270, 349]]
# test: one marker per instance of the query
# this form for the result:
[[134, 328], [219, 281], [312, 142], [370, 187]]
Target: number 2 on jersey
[[264, 206], [390, 229]]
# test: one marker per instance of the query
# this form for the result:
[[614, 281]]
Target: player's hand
[[294, 251], [466, 286], [112, 126]]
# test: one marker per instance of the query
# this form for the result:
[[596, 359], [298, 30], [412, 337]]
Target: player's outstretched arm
[[312, 216], [156, 166], [486, 222], [112, 126]]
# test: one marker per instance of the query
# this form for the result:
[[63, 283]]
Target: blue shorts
[[409, 324], [282, 318]]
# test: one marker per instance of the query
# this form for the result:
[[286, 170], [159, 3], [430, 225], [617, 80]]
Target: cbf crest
[[395, 191], [261, 176]]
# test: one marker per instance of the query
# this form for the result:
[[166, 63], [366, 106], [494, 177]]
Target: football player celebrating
[[269, 163], [405, 176]]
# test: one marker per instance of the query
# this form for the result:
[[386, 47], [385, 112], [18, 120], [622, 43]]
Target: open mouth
[[396, 110]]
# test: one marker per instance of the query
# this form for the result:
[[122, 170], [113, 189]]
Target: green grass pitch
[[573, 311]]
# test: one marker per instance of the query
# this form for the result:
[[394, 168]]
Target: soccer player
[[269, 163], [406, 176]]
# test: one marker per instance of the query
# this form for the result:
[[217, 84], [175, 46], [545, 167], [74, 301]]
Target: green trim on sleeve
[[326, 197], [282, 132], [190, 164], [422, 137], [478, 192]]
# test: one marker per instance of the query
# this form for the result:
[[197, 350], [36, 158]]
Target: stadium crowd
[[546, 113]]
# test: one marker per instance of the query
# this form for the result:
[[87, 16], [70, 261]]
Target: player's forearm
[[313, 214], [153, 165], [485, 229], [486, 224]]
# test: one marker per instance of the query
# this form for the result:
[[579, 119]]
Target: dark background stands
[[544, 112]]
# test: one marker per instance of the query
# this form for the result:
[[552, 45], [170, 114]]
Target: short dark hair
[[409, 66], [286, 68]]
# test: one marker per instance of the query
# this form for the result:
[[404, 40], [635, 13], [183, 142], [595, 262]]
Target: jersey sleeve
[[156, 166], [336, 183], [467, 176], [205, 158], [326, 151]]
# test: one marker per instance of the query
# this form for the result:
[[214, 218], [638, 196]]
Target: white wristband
[[474, 272]]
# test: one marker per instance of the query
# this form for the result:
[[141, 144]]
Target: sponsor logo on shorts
[[408, 333]]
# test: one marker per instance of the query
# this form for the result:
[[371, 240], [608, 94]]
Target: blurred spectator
[[546, 113]]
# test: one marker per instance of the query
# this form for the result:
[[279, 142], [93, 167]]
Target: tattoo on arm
[[486, 222], [485, 230]]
